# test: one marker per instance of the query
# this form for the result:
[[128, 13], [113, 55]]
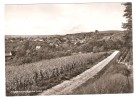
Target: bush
[[95, 49], [20, 53], [85, 48]]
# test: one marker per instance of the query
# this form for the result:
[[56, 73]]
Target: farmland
[[47, 73]]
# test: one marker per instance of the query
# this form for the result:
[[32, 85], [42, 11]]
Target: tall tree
[[128, 24]]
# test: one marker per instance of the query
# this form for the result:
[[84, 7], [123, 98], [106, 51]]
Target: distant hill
[[82, 33], [112, 31], [29, 36]]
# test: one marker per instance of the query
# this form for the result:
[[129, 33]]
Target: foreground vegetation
[[116, 79], [45, 74]]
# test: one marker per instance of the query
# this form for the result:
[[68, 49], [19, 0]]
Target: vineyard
[[45, 74]]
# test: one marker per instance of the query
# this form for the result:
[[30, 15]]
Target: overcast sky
[[62, 18]]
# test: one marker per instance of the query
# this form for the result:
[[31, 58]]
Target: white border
[[75, 97], [58, 1]]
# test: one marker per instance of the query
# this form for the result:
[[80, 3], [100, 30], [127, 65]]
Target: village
[[39, 42], [35, 48]]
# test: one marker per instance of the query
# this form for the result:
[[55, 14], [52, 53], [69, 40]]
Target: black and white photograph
[[68, 49]]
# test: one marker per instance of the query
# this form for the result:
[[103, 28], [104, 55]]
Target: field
[[39, 76]]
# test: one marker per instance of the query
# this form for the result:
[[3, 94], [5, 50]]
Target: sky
[[51, 19]]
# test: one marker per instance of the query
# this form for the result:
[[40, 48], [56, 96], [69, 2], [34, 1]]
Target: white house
[[38, 47], [8, 54], [39, 40]]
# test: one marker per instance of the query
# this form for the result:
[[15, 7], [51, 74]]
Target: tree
[[26, 45], [128, 35], [128, 24], [96, 31]]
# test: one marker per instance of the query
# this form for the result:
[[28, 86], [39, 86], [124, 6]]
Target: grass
[[114, 80], [45, 74]]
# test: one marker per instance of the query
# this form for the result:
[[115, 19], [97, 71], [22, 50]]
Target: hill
[[37, 47]]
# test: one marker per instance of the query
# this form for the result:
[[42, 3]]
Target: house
[[38, 40], [82, 41], [51, 44], [8, 54], [38, 47]]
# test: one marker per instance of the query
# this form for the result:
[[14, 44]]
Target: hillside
[[35, 48]]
